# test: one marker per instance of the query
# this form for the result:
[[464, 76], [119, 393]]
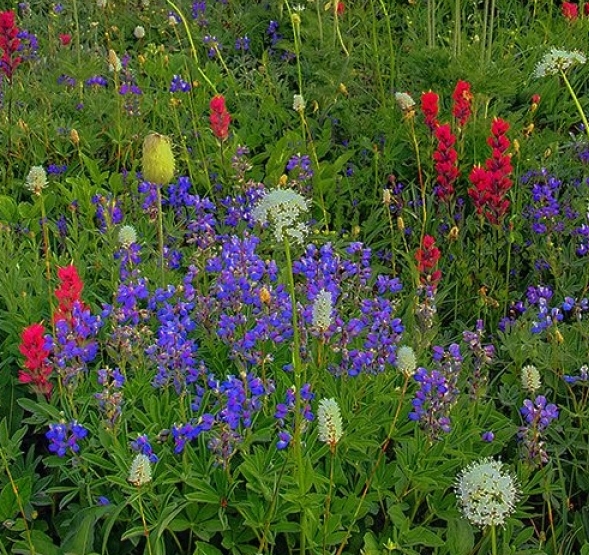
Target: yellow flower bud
[[158, 159], [74, 137]]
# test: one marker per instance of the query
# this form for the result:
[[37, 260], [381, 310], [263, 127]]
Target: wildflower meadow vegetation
[[294, 278]]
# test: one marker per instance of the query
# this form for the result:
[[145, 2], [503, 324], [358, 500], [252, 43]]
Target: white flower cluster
[[486, 494], [329, 422], [298, 103], [406, 360], [127, 235], [404, 101], [140, 473], [531, 378], [557, 60], [282, 208], [322, 308], [36, 180]]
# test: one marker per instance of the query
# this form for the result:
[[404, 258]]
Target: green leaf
[[42, 412], [459, 537], [80, 538], [204, 492], [370, 545], [8, 209], [422, 536], [41, 543], [203, 548], [91, 166], [136, 531]]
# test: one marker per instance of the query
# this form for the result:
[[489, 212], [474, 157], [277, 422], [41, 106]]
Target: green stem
[[299, 379], [387, 19], [490, 32], [192, 46], [21, 508], [576, 101], [47, 254], [160, 231], [77, 33], [381, 454], [420, 177], [457, 28], [485, 23], [375, 53], [144, 522], [493, 539], [328, 500]]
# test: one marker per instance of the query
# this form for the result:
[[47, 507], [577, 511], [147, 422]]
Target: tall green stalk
[[576, 101], [299, 379], [21, 509]]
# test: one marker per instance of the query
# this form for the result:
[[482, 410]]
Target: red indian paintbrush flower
[[37, 369], [219, 118], [446, 162], [491, 184], [9, 43], [462, 98], [430, 108]]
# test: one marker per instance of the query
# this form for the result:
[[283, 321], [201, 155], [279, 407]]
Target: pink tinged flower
[[570, 10], [219, 118]]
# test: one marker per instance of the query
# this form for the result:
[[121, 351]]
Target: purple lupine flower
[[29, 45], [432, 403], [108, 211], [143, 446], [66, 80], [273, 35], [75, 344], [582, 377], [188, 432], [199, 9], [179, 85], [56, 169], [213, 44], [483, 356], [488, 436], [284, 413], [242, 44], [96, 82], [64, 437], [110, 399], [537, 415]]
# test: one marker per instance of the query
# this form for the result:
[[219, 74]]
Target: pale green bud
[[158, 159]]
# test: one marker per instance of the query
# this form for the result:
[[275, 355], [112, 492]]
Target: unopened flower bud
[[158, 159], [74, 137]]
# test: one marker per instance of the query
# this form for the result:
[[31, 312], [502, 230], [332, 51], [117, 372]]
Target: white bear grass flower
[[557, 60], [486, 493], [282, 209]]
